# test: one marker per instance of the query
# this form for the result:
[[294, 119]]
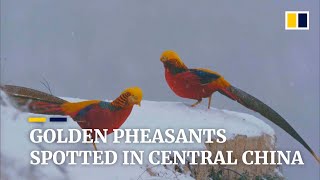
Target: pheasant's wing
[[79, 110], [197, 77], [204, 76]]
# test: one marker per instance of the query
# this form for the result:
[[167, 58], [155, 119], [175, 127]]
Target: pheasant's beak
[[134, 101]]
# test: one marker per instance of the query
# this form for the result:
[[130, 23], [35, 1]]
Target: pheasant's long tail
[[256, 105], [34, 101]]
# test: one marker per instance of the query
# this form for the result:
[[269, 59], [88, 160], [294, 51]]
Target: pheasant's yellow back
[[70, 108]]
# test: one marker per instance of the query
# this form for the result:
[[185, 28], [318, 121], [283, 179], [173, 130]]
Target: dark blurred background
[[95, 49]]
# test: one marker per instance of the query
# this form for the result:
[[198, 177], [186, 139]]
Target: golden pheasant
[[201, 83], [93, 114]]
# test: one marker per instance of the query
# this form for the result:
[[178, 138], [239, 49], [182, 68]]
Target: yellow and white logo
[[297, 20]]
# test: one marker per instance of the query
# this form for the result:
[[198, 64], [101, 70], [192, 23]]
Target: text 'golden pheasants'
[[202, 83], [93, 114]]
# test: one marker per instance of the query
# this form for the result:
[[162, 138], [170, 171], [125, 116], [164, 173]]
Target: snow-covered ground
[[16, 145]]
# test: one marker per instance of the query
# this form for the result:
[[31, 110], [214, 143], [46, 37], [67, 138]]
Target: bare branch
[[46, 84]]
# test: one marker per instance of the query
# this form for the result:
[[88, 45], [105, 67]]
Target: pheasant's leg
[[209, 103], [94, 146], [198, 102]]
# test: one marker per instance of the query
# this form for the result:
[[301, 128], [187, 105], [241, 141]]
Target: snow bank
[[16, 146]]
